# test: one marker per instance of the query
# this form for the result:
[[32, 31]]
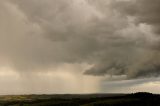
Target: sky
[[79, 46]]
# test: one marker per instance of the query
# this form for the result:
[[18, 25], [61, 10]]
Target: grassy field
[[137, 99]]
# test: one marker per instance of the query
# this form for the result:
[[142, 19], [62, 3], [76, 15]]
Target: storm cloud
[[113, 37]]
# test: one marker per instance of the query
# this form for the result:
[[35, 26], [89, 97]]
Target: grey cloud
[[52, 32], [145, 11]]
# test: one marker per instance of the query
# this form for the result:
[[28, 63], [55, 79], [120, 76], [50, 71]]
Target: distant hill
[[135, 99]]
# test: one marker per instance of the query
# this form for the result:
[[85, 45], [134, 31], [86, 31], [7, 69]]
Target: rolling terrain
[[136, 99]]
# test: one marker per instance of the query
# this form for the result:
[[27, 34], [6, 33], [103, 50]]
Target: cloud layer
[[115, 37]]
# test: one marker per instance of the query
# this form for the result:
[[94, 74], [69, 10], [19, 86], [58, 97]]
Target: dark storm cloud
[[53, 32], [145, 11]]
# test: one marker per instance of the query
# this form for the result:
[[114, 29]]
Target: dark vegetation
[[136, 99]]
